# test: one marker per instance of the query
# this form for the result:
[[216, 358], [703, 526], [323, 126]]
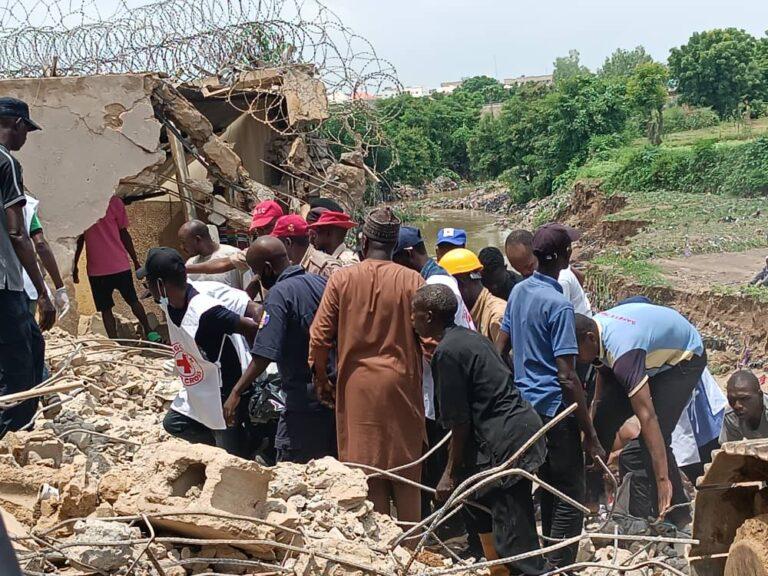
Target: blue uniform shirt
[[289, 309], [541, 326], [432, 268]]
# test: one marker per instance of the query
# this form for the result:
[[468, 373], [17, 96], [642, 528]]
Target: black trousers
[[671, 391], [22, 358], [433, 467], [512, 522], [564, 470], [305, 436]]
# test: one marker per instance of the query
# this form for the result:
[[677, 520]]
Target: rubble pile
[[99, 487]]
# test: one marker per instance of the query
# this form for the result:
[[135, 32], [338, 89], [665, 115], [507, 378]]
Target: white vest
[[200, 397]]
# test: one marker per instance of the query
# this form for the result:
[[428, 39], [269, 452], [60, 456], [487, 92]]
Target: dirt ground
[[704, 271]]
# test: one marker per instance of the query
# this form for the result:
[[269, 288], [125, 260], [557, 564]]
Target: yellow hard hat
[[460, 261]]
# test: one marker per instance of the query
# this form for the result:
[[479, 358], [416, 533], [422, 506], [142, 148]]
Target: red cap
[[290, 226], [338, 219], [553, 240], [264, 213]]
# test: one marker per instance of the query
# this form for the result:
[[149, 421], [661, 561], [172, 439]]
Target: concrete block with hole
[[204, 481]]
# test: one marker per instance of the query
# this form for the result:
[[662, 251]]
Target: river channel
[[482, 229]]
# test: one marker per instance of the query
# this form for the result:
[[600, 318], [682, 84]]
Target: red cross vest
[[200, 396]]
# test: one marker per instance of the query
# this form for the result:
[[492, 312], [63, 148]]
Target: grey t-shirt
[[11, 194], [735, 429]]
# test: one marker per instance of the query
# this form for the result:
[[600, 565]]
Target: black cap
[[162, 263], [15, 108], [553, 240]]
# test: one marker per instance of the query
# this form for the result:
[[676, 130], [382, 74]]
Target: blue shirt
[[432, 268], [541, 326], [283, 337], [640, 340]]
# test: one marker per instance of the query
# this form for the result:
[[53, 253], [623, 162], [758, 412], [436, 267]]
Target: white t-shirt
[[462, 318], [574, 292], [233, 278]]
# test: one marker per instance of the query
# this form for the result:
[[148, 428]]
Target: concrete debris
[[107, 558], [105, 455]]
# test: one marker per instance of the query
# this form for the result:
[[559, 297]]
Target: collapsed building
[[186, 110]]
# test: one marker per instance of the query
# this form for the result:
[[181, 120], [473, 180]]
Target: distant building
[[544, 79], [339, 97], [448, 87], [389, 92], [416, 91]]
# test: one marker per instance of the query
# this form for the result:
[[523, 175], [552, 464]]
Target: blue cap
[[454, 236], [15, 108], [408, 238]]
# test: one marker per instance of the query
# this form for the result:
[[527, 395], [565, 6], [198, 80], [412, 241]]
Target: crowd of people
[[384, 350]]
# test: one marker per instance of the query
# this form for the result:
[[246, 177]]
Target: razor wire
[[189, 40]]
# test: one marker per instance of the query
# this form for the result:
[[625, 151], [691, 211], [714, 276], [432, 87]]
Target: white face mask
[[163, 295]]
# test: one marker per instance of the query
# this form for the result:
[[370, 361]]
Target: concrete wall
[[153, 223], [97, 131]]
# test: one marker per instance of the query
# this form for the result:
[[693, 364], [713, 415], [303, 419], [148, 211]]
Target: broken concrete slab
[[39, 445], [104, 558], [111, 119], [192, 478]]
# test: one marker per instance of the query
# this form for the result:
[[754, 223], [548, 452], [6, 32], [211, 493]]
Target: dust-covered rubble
[[100, 471]]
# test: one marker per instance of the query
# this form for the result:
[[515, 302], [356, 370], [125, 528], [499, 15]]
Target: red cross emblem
[[189, 369]]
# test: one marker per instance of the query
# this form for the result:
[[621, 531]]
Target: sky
[[432, 41]]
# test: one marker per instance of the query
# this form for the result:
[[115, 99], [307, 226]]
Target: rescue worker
[[293, 231], [306, 429], [487, 311], [650, 359], [489, 420], [449, 239], [330, 232], [209, 356], [264, 217]]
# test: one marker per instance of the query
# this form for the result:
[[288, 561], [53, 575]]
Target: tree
[[622, 63], [490, 89], [567, 67], [719, 68], [647, 93]]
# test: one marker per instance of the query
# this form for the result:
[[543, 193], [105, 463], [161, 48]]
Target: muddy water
[[481, 228]]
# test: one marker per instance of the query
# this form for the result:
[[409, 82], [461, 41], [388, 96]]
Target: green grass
[[726, 131], [700, 223], [639, 272], [759, 294]]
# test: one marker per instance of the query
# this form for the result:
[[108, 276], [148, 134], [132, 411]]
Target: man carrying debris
[[489, 420], [487, 311], [449, 239], [649, 359], [747, 418], [197, 244], [330, 231], [365, 312], [306, 429], [209, 358], [539, 325], [109, 253], [293, 231], [22, 348], [495, 275]]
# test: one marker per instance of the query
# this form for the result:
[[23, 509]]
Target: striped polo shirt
[[641, 340]]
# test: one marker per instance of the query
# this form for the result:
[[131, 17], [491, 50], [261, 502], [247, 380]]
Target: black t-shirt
[[473, 385], [215, 324]]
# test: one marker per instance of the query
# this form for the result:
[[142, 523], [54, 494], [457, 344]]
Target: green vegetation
[[641, 272], [539, 136]]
